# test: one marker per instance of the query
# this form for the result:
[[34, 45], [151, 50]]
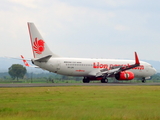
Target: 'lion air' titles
[[109, 66]]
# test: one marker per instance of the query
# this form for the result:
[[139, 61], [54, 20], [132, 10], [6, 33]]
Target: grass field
[[80, 103]]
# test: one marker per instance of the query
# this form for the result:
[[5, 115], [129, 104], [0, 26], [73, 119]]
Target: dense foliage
[[17, 71]]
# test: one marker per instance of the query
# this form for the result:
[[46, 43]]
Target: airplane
[[89, 69]]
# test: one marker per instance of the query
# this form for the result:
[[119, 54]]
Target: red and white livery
[[90, 69]]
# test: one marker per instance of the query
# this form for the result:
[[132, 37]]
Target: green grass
[[80, 103]]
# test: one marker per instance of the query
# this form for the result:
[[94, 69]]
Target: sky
[[83, 28]]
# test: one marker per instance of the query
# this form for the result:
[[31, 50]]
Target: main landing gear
[[86, 80], [143, 80], [104, 80]]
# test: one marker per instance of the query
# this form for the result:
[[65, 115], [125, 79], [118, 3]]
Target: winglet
[[25, 62], [136, 59]]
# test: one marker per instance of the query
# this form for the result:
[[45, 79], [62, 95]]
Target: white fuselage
[[89, 67]]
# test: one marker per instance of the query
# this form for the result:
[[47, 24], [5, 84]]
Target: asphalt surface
[[75, 84]]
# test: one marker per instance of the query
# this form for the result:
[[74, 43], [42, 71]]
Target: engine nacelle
[[124, 75]]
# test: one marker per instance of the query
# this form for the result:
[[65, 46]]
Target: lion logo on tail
[[38, 46]]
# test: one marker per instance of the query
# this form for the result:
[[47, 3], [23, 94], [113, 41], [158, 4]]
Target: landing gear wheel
[[86, 80], [143, 80], [104, 80]]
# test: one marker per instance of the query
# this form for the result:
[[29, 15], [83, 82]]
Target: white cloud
[[26, 3], [91, 28], [117, 3], [121, 28]]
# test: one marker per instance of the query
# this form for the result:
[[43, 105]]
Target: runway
[[74, 84]]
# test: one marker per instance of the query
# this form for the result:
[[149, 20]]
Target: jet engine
[[124, 75]]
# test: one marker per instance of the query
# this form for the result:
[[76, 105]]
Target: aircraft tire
[[85, 80], [104, 80], [143, 80]]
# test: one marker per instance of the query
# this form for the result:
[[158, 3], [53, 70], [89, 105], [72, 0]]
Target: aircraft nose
[[154, 71]]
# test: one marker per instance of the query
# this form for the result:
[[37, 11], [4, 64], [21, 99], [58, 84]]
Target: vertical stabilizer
[[39, 46]]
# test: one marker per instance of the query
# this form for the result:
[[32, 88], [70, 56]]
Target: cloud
[[26, 3], [92, 26], [116, 3], [121, 28]]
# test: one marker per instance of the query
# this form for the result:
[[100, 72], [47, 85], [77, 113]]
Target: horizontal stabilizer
[[26, 63], [43, 59]]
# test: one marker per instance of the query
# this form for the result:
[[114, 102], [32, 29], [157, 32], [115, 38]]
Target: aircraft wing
[[108, 73]]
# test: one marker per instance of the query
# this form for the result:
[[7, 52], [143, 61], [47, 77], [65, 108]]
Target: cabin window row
[[79, 65]]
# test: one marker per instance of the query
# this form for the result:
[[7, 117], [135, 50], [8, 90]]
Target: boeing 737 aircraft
[[90, 69]]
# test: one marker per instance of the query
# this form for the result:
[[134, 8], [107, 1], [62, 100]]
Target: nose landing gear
[[143, 80]]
